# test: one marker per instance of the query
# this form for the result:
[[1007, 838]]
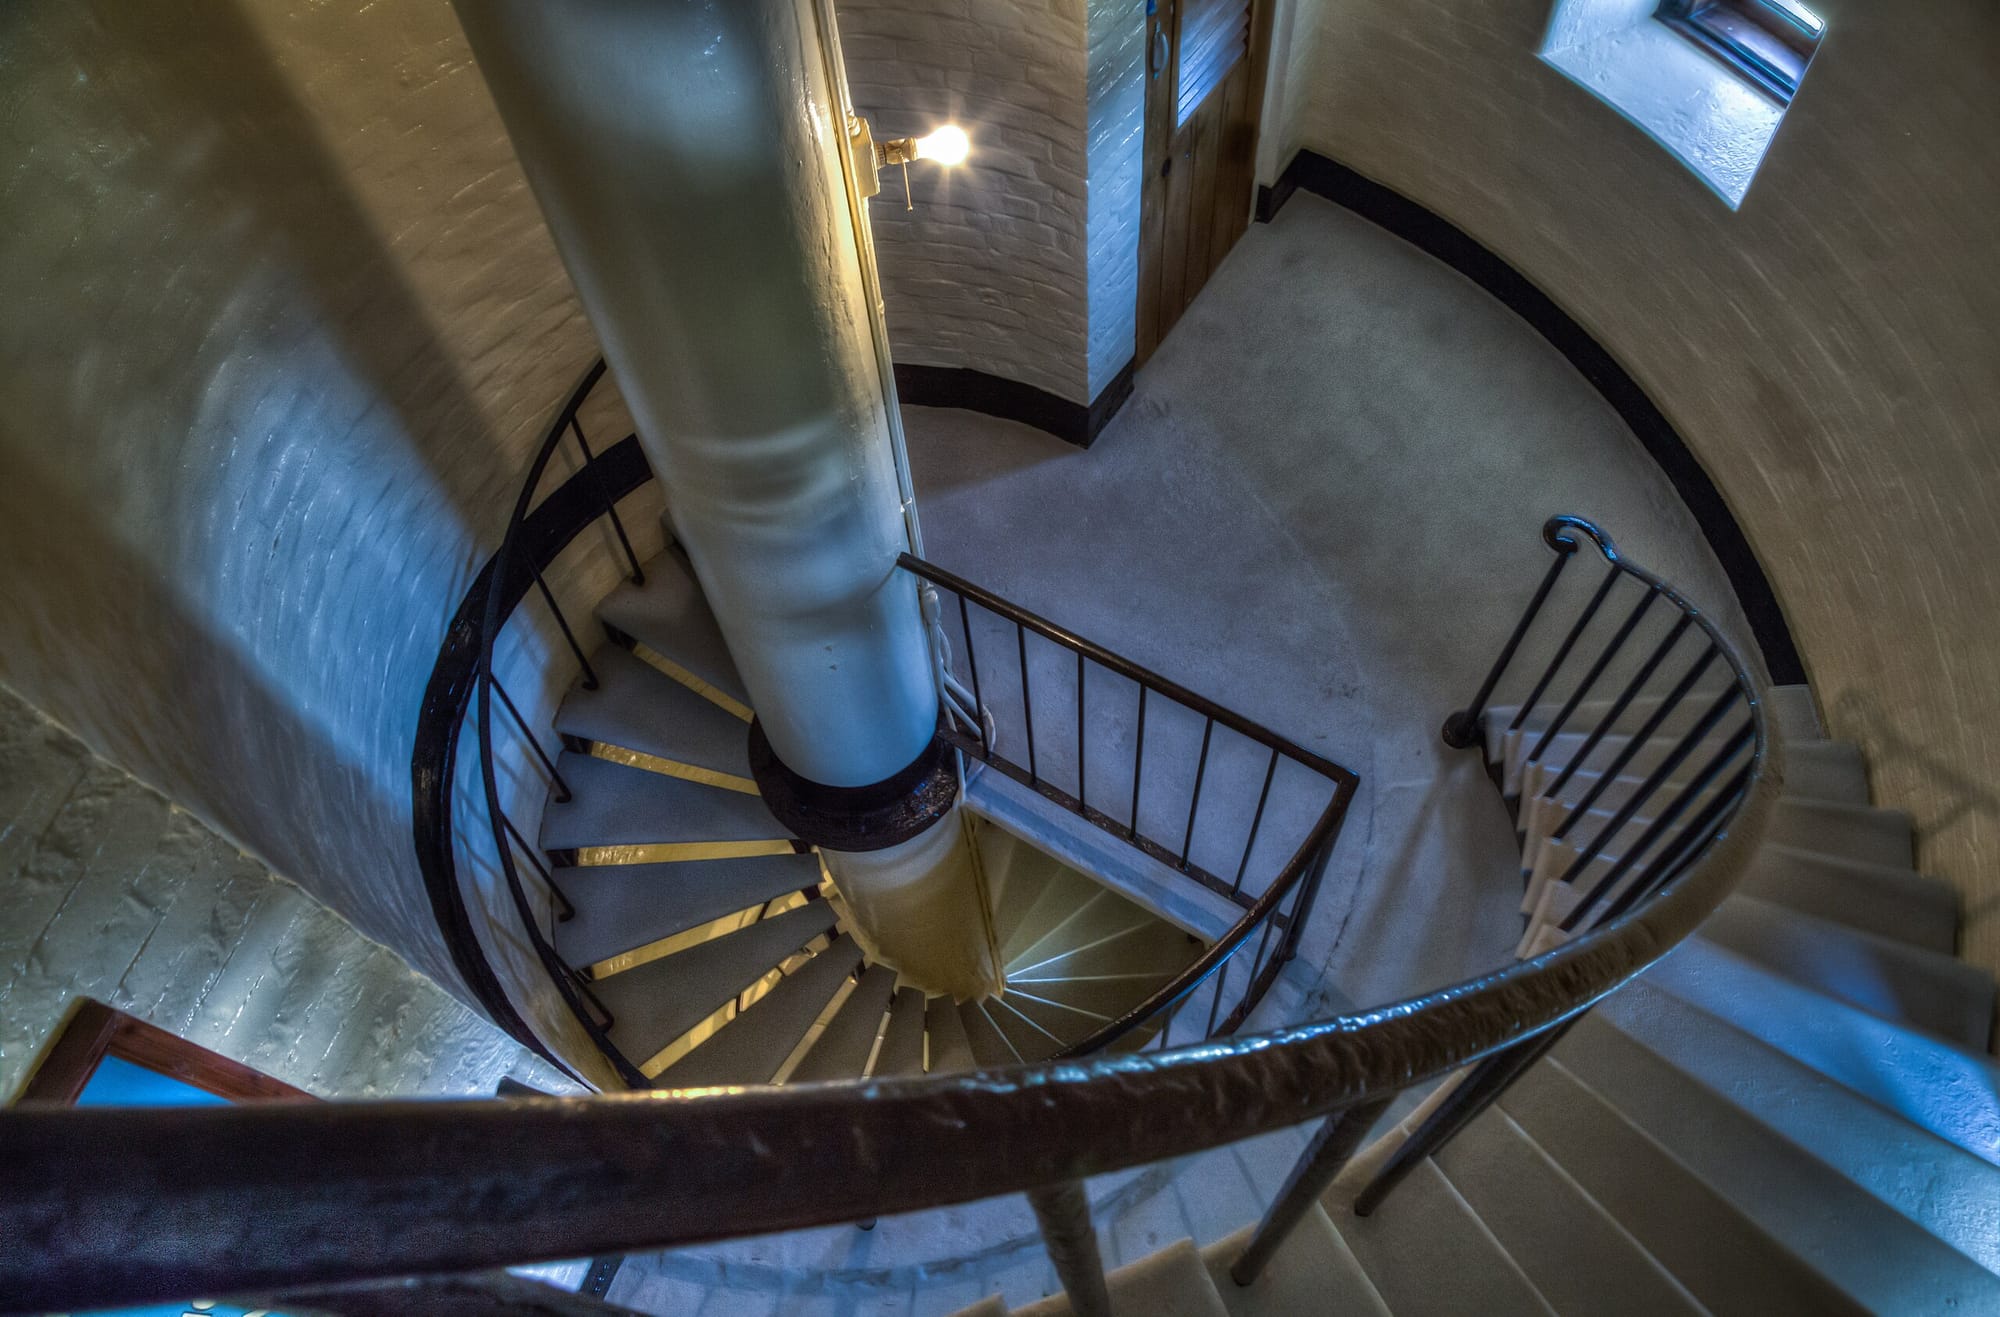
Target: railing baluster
[[589, 673], [1685, 847], [569, 911], [1215, 1003], [1618, 706], [563, 793], [1332, 1147], [1027, 701], [610, 507], [1138, 764], [1464, 1104], [1583, 620], [1082, 781], [1685, 797], [1256, 822], [972, 668], [1463, 727], [1589, 681], [1639, 739], [1194, 801], [1063, 1212]]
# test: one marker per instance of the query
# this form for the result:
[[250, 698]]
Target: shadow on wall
[[246, 481]]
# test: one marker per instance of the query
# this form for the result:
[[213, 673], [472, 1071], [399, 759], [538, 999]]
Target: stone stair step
[[1726, 1260], [1584, 719], [1170, 1283], [1313, 1271], [670, 616], [621, 907], [843, 1050], [1852, 832], [1947, 1191], [950, 1048], [1953, 1093], [903, 1044], [1855, 1242], [1897, 981], [638, 707], [655, 1003], [991, 1047], [1572, 1250], [618, 805], [1427, 1252], [1895, 903], [751, 1048], [1795, 711]]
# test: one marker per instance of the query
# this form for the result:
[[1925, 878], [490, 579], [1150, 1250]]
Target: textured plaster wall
[[1117, 135], [1831, 352], [990, 271], [279, 324], [112, 893]]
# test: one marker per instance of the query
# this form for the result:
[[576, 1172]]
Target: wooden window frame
[[1756, 38], [95, 1031]]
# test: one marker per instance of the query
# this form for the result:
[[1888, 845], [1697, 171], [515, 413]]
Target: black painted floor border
[[1432, 233], [1011, 400]]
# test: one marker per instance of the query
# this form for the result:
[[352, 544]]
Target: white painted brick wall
[[990, 271], [112, 893], [1117, 106]]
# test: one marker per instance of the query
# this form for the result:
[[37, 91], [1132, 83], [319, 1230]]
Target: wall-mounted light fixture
[[947, 146]]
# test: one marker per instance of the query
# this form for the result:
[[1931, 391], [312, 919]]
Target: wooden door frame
[[94, 1031]]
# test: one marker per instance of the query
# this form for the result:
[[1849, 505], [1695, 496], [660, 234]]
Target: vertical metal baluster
[[1589, 681], [569, 911], [1027, 702], [604, 496], [1568, 643], [1063, 1213], [1618, 706], [1644, 735], [1194, 802], [1082, 781], [1138, 763], [589, 673], [1221, 981], [1256, 821], [1463, 727], [1683, 849], [1330, 1150], [972, 667], [563, 794]]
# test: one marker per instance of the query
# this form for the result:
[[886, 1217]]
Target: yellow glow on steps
[[677, 852], [680, 674], [729, 1010], [671, 768], [694, 937]]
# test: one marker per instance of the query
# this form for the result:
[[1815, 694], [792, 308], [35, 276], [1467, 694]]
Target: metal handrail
[[1301, 874]]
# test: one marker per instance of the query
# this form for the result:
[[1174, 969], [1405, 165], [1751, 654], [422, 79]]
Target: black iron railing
[[1276, 905]]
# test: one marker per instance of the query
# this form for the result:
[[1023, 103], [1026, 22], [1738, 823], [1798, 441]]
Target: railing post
[[1063, 1212], [1330, 1150], [1462, 728]]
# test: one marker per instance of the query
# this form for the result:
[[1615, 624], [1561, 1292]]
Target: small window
[[1768, 41]]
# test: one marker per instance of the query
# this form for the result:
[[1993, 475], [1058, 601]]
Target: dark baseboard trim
[[1439, 237], [1011, 400]]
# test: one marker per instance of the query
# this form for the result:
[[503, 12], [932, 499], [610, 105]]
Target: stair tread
[[1584, 718], [1795, 712], [950, 1049], [1169, 1283], [903, 1045], [670, 616], [1935, 993], [1879, 1258], [1725, 1259], [1898, 903], [1312, 1271], [991, 1047], [1570, 1248], [1856, 832], [1954, 1093], [638, 707], [1947, 1191], [655, 1003], [618, 805], [1459, 1267], [750, 1048], [620, 907], [842, 1051]]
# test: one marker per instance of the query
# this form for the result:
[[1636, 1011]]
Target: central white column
[[691, 159]]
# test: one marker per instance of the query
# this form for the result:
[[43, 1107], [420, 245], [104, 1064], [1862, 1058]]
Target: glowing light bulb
[[948, 146]]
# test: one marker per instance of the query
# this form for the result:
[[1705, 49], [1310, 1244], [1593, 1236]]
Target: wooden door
[[1204, 93]]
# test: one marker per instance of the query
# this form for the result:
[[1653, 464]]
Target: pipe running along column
[[692, 161]]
